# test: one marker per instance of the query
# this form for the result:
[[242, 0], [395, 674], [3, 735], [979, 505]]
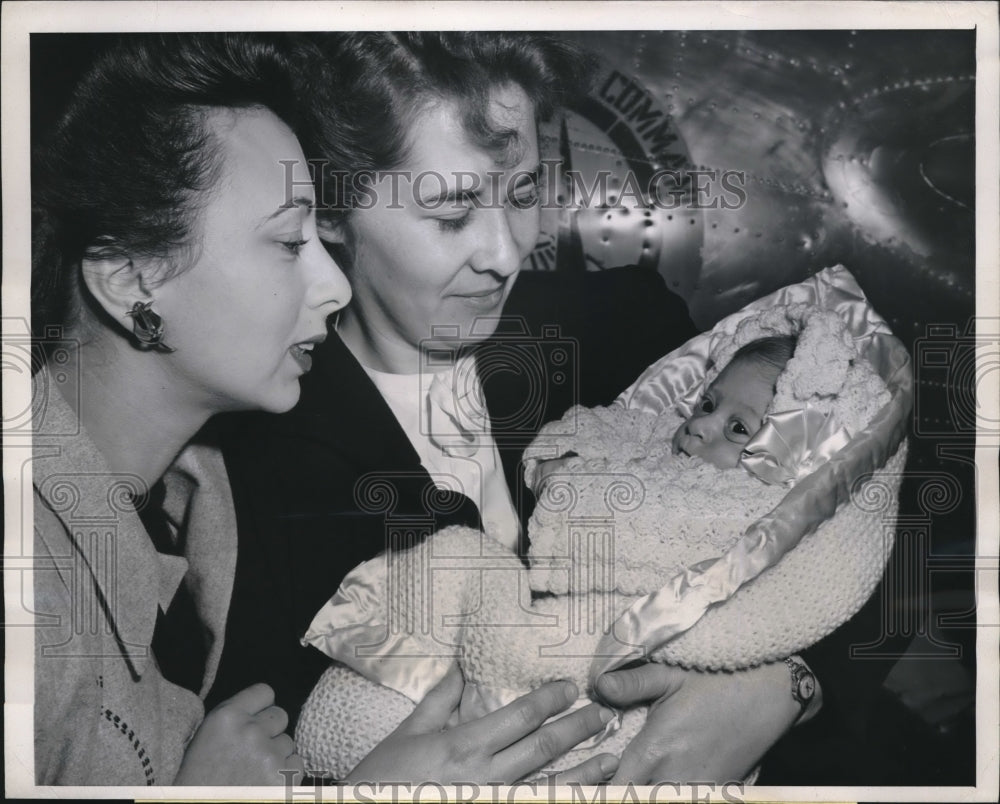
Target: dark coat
[[310, 490], [303, 482]]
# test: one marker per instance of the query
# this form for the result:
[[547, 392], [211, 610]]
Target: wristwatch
[[803, 681]]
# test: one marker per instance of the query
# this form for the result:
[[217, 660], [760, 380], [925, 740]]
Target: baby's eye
[[706, 405], [738, 428]]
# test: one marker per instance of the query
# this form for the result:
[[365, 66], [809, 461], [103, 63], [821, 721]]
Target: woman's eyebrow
[[300, 202], [475, 193], [453, 196]]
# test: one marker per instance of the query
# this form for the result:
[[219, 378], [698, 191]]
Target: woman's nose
[[328, 286], [498, 252]]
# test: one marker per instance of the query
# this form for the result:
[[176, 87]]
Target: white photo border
[[19, 20]]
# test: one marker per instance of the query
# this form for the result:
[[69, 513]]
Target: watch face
[[807, 687]]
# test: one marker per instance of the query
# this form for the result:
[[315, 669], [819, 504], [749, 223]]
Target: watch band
[[803, 681]]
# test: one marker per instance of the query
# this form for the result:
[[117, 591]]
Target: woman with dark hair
[[432, 167], [438, 144], [177, 274], [183, 283]]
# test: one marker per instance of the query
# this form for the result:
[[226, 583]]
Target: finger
[[296, 764], [273, 720], [595, 770], [252, 700], [550, 741], [520, 718], [433, 712], [645, 760], [647, 682], [637, 769], [282, 747]]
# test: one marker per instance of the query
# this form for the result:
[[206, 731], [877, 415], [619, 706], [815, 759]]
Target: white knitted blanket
[[599, 561], [621, 518], [624, 525]]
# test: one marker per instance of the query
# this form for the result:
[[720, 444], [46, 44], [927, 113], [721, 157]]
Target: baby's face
[[729, 414]]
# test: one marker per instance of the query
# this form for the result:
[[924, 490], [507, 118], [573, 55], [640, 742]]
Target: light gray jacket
[[103, 713]]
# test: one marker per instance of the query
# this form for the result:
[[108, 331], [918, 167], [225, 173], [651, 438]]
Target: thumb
[[636, 685], [251, 700], [432, 713]]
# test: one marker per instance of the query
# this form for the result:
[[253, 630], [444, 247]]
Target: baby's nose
[[696, 427]]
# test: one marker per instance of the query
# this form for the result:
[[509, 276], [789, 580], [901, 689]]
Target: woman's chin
[[281, 401], [463, 337]]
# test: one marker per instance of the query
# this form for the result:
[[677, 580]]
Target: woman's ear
[[331, 230], [335, 234], [116, 282]]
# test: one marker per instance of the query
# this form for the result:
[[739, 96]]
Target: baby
[[733, 408], [727, 416], [633, 500]]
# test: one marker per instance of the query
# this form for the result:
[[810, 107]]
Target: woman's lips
[[301, 352], [484, 299]]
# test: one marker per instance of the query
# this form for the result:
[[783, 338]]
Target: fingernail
[[569, 691], [609, 684], [609, 764], [607, 715]]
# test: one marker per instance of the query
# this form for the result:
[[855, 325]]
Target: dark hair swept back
[[381, 80], [123, 170], [774, 350]]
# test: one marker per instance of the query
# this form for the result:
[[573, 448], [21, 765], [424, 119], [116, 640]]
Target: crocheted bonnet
[[706, 617], [835, 325], [825, 394], [827, 369]]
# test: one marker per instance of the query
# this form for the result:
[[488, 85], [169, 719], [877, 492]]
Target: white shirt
[[456, 448]]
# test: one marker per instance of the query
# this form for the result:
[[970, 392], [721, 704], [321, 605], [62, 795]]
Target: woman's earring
[[147, 327]]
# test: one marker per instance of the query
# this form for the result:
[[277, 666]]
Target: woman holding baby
[[196, 284], [443, 130], [175, 251]]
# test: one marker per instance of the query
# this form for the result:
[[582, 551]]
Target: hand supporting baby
[[501, 747], [700, 726], [693, 716]]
